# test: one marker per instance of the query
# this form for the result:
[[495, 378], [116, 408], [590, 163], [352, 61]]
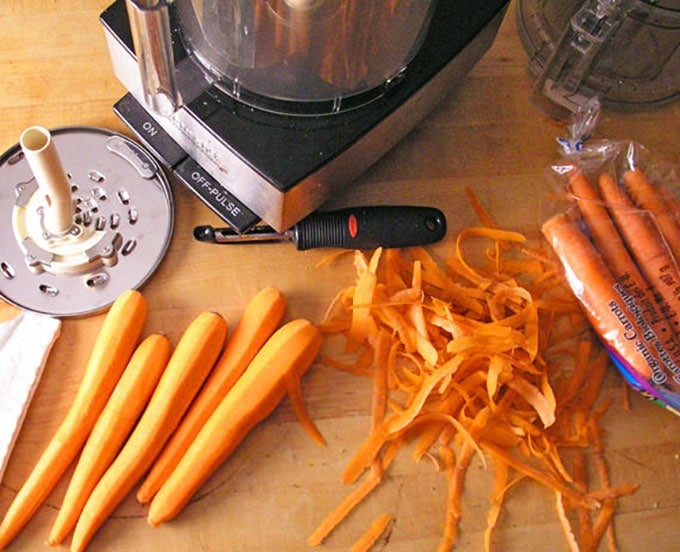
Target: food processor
[[266, 108]]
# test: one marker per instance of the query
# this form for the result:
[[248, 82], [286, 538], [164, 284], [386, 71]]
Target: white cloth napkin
[[25, 342]]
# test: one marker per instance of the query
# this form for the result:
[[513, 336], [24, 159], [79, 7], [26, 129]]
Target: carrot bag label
[[613, 221]]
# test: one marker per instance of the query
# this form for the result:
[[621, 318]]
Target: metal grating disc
[[123, 222]]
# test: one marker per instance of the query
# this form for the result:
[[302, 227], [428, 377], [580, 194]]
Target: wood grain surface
[[55, 71]]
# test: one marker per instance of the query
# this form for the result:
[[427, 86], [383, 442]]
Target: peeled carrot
[[647, 247], [117, 339], [595, 287], [647, 196], [192, 359], [259, 320], [112, 428], [289, 352]]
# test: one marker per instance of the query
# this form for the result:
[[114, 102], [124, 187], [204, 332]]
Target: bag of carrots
[[615, 227]]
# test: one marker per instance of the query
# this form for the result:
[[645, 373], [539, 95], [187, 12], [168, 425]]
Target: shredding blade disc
[[122, 225]]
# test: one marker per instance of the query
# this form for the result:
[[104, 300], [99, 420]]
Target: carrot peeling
[[300, 410], [342, 510], [372, 534], [482, 382]]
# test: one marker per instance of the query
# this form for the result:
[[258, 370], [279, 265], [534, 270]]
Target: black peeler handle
[[371, 227]]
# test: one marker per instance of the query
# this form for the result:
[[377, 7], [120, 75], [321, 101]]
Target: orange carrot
[[603, 231], [647, 247], [117, 339], [260, 318], [595, 287], [289, 352], [194, 356], [112, 428], [646, 196], [615, 254]]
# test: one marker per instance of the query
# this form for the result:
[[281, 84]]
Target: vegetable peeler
[[351, 228]]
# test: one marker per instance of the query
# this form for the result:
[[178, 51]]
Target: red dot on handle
[[352, 226]]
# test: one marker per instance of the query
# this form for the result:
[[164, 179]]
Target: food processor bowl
[[625, 52]]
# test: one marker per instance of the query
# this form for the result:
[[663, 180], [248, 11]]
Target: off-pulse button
[[216, 196]]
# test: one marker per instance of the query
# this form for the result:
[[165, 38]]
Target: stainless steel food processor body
[[252, 150]]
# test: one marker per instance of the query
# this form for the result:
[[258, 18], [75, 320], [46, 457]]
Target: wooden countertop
[[55, 71]]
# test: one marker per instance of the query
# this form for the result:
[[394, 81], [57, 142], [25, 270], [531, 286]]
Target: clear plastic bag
[[614, 224]]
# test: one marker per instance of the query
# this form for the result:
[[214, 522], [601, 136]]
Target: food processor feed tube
[[150, 28]]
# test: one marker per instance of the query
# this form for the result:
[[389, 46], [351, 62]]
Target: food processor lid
[[303, 57]]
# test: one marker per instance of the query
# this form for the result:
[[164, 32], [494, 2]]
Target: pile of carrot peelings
[[485, 358]]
